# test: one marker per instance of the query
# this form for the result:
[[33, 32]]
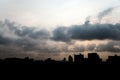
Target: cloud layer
[[76, 38]]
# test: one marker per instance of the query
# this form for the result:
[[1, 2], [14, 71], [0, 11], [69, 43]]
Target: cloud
[[91, 47], [112, 46], [31, 41], [87, 32], [61, 34], [7, 30], [29, 38], [23, 36], [5, 41], [104, 13], [96, 46], [10, 33], [109, 46]]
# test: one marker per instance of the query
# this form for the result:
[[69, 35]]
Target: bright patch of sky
[[52, 12]]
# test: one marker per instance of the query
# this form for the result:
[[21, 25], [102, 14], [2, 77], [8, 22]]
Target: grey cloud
[[66, 34], [42, 34], [33, 33], [87, 32], [22, 36], [7, 30], [112, 46], [22, 31], [28, 38], [61, 34], [104, 13], [5, 41]]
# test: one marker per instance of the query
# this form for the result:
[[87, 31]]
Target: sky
[[52, 12], [35, 27]]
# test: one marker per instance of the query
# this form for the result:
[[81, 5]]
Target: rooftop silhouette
[[93, 58]]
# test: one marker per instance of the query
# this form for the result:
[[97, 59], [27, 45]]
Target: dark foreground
[[51, 69]]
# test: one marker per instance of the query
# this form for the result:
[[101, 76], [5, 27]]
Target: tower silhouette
[[70, 59]]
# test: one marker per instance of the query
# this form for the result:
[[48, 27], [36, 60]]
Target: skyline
[[57, 28]]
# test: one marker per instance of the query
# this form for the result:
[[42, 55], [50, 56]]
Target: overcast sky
[[52, 28], [52, 12]]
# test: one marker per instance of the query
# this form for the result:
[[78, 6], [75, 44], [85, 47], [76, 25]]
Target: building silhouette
[[64, 60], [79, 58], [113, 59], [94, 58]]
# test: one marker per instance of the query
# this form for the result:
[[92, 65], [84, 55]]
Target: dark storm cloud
[[61, 34], [5, 41], [87, 32]]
